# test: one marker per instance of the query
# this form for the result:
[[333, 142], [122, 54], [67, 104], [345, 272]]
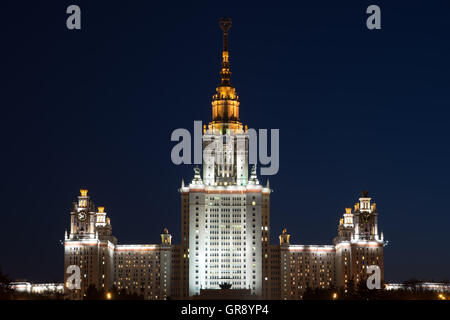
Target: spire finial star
[[225, 24]]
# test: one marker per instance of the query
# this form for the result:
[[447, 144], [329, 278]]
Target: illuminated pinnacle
[[225, 102], [225, 73]]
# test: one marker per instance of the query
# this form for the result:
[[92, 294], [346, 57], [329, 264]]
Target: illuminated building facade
[[37, 288], [89, 245], [225, 230], [357, 246], [359, 243], [139, 269]]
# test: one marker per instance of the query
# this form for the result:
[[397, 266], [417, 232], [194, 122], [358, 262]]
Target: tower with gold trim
[[225, 214], [90, 246]]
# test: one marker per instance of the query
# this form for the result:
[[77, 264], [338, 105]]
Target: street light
[[109, 296], [335, 296]]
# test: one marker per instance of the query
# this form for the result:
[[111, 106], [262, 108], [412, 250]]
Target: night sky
[[357, 110]]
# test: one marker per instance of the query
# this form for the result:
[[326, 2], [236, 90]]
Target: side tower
[[358, 243], [225, 214], [90, 246]]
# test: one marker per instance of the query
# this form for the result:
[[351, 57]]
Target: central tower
[[225, 213]]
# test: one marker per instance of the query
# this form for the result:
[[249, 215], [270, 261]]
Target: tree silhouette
[[318, 294], [92, 293], [5, 290]]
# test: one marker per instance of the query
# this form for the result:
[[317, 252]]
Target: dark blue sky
[[357, 110]]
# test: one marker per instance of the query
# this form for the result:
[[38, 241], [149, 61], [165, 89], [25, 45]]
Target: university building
[[225, 230]]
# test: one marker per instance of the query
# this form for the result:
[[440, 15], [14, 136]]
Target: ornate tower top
[[284, 237], [225, 103], [166, 238]]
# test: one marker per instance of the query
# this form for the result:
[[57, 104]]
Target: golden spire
[[225, 73], [225, 103]]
